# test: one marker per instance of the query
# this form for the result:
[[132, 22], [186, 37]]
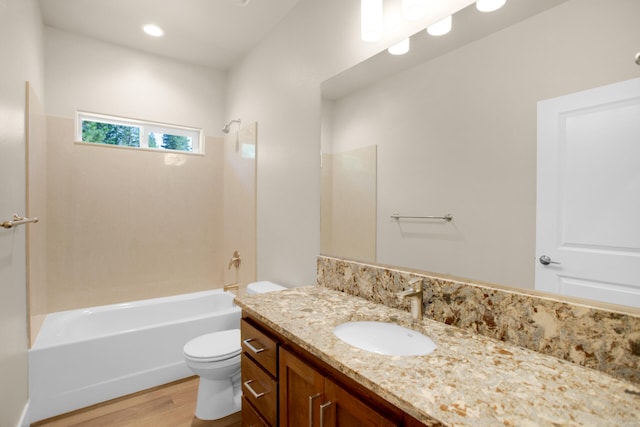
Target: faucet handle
[[415, 293], [415, 290], [416, 283], [235, 260]]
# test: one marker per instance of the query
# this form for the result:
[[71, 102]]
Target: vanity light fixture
[[489, 5], [441, 27], [412, 10], [153, 30], [371, 20], [400, 48]]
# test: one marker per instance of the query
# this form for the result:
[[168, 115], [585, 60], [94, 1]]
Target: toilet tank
[[263, 287]]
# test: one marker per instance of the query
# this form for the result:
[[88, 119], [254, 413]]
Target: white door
[[588, 204]]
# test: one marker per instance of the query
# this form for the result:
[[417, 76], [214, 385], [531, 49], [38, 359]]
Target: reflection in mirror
[[348, 193], [454, 122]]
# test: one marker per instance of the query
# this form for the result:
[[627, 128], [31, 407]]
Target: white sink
[[384, 338]]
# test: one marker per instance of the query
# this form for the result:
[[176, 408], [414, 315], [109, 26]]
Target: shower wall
[[125, 224]]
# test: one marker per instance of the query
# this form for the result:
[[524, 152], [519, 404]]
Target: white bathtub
[[82, 357]]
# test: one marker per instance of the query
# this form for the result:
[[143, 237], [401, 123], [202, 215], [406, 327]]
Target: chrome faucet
[[415, 293]]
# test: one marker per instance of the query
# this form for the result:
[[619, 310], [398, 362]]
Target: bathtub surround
[[36, 143], [126, 224], [239, 196], [597, 338], [348, 208], [82, 357]]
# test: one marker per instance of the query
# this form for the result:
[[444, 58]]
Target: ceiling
[[212, 33]]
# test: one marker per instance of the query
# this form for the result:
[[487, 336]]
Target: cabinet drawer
[[251, 418], [260, 347], [260, 390]]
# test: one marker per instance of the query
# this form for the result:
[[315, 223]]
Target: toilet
[[215, 358]]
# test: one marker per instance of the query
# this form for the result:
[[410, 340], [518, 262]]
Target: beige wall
[[278, 85], [126, 224], [90, 75], [458, 135], [21, 51]]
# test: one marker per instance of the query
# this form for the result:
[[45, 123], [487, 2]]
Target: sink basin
[[384, 338]]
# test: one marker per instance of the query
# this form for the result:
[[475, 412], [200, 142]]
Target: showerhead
[[227, 127]]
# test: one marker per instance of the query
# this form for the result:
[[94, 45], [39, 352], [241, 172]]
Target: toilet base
[[217, 399]]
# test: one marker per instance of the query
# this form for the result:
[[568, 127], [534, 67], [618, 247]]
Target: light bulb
[[400, 48], [489, 5], [371, 20], [441, 27], [412, 10]]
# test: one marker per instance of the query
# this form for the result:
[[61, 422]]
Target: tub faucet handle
[[235, 260]]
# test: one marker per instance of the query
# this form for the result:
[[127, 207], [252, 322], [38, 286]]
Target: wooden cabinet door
[[301, 389], [307, 398], [345, 410]]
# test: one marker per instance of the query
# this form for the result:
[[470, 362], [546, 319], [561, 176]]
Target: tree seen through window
[[107, 133]]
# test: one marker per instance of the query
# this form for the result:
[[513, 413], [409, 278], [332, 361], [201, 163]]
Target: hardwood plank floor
[[169, 405]]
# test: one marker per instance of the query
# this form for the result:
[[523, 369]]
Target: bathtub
[[85, 356]]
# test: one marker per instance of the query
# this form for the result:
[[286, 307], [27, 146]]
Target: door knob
[[545, 260]]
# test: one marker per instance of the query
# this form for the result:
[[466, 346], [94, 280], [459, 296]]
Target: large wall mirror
[[451, 128]]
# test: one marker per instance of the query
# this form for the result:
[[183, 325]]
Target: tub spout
[[231, 286]]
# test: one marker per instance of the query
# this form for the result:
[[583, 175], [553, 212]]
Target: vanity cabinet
[[308, 398], [259, 371], [284, 385]]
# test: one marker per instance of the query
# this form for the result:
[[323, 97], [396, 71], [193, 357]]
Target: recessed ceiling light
[[153, 30]]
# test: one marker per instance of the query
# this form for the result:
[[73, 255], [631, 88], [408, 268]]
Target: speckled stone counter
[[469, 380], [604, 339]]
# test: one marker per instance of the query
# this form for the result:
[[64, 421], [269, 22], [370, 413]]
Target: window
[[123, 132]]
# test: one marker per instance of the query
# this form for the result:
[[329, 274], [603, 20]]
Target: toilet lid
[[214, 346]]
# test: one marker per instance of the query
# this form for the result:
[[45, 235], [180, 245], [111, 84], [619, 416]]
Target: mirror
[[453, 123]]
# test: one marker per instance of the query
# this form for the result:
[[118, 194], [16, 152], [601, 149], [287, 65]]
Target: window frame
[[144, 127]]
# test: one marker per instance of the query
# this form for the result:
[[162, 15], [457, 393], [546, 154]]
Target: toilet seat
[[214, 347]]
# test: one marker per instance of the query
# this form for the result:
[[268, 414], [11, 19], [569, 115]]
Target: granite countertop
[[469, 380]]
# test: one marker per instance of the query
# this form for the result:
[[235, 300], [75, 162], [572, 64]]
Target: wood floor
[[170, 405]]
